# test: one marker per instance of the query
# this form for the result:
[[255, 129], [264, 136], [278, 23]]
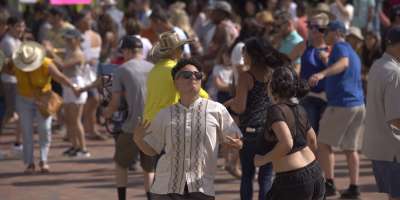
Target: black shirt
[[296, 119]]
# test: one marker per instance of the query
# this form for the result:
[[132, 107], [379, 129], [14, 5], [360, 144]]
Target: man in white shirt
[[382, 131], [187, 136]]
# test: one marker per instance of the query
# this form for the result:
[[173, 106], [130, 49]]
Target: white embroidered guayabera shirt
[[188, 141]]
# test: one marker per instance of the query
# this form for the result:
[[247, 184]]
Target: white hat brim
[[28, 67]]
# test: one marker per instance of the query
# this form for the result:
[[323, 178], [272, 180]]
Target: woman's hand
[[235, 143], [259, 160], [140, 131]]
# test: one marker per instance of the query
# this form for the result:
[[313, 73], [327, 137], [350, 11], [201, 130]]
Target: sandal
[[44, 167], [30, 169]]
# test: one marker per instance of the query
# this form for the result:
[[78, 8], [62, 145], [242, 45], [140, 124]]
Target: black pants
[[185, 196], [306, 183]]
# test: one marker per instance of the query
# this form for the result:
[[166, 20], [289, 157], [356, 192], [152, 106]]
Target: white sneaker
[[82, 154]]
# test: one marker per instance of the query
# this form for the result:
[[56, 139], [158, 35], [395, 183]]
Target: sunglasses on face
[[317, 28], [190, 75]]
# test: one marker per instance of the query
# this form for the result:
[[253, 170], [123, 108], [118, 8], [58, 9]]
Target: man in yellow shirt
[[161, 91]]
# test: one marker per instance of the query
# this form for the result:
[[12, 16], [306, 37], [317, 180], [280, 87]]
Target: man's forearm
[[336, 68]]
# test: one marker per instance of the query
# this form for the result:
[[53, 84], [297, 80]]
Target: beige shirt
[[188, 141], [383, 105]]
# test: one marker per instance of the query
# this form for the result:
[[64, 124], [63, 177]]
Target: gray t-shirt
[[8, 45], [383, 105], [130, 79]]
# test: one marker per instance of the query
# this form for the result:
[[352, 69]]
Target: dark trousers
[[305, 183], [185, 196], [314, 107], [247, 154]]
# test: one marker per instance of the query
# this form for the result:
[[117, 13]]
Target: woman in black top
[[250, 104], [289, 141]]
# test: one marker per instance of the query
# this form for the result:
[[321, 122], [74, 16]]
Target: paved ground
[[92, 179]]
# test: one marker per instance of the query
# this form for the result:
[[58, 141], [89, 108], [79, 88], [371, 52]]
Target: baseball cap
[[221, 5], [130, 42], [337, 25], [72, 33], [393, 36]]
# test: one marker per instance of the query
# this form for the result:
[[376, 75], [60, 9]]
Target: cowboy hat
[[168, 41], [322, 8], [29, 56]]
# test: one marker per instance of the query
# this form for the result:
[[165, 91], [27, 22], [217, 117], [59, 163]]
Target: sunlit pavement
[[92, 178]]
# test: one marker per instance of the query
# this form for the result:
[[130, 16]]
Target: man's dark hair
[[159, 14], [14, 20], [58, 11], [183, 62]]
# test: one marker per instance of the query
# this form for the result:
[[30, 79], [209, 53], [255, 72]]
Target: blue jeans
[[247, 154], [28, 111], [314, 107]]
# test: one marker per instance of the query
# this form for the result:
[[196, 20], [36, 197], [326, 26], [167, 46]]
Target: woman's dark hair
[[286, 84], [183, 62], [263, 54], [250, 28]]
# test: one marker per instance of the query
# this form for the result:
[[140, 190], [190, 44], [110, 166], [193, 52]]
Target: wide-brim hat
[[29, 56], [356, 32], [322, 8], [320, 19], [2, 60], [168, 41]]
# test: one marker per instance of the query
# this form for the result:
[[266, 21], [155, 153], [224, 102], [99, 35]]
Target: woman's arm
[[62, 79], [285, 143], [238, 103], [75, 59]]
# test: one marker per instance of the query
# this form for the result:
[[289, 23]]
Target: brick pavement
[[92, 178]]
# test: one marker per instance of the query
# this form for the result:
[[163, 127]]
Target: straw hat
[[321, 19], [168, 41], [29, 56], [355, 31], [2, 60], [322, 8]]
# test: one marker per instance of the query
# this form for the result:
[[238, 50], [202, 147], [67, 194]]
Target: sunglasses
[[189, 75], [318, 28]]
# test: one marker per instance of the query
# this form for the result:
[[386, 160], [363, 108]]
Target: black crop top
[[295, 117]]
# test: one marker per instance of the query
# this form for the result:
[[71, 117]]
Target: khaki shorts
[[342, 127], [126, 150]]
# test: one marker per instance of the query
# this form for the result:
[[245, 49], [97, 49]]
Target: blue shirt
[[311, 63], [289, 42], [345, 89]]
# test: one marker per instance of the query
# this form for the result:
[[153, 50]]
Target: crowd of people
[[273, 87]]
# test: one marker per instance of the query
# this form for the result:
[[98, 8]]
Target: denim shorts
[[301, 184], [387, 175]]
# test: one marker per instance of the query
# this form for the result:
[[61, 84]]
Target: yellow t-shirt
[[161, 91], [39, 79]]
